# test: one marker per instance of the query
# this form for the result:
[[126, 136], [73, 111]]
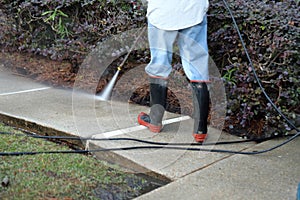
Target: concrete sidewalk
[[194, 174]]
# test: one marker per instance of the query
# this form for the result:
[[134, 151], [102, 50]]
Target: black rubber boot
[[158, 96], [201, 109]]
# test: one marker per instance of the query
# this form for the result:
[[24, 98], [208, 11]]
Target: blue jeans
[[193, 49]]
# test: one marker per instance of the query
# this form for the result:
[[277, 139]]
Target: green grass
[[58, 176]]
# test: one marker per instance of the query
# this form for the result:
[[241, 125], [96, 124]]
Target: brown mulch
[[58, 74]]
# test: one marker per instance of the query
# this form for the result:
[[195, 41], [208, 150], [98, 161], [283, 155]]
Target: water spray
[[105, 94]]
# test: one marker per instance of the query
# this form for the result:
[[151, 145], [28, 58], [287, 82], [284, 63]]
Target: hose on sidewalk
[[154, 145]]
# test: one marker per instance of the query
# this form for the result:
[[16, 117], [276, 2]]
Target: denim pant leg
[[193, 47], [161, 49]]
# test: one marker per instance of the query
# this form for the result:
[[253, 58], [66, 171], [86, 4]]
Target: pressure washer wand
[[106, 92]]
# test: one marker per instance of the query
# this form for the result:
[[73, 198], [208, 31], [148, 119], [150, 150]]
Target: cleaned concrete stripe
[[25, 91], [177, 119], [138, 128]]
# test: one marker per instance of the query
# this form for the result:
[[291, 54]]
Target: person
[[183, 22]]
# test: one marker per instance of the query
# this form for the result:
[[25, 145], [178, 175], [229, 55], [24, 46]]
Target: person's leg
[[201, 109], [194, 53], [193, 48], [158, 96], [161, 48]]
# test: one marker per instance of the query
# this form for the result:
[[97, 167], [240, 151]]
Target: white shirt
[[176, 14]]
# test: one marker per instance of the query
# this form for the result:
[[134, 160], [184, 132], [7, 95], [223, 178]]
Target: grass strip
[[60, 176]]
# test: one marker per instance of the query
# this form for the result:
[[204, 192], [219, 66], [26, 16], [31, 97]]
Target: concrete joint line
[[137, 128], [25, 91]]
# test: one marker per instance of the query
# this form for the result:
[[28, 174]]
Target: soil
[[57, 74]]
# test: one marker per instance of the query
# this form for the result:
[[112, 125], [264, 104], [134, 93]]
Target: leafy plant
[[53, 17], [229, 76], [271, 33], [68, 30]]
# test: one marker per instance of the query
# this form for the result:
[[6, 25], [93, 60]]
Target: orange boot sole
[[199, 137], [151, 127]]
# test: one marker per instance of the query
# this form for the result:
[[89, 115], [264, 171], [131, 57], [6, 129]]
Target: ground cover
[[61, 176]]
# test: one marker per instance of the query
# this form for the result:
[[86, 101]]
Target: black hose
[[148, 147], [158, 145], [258, 140]]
